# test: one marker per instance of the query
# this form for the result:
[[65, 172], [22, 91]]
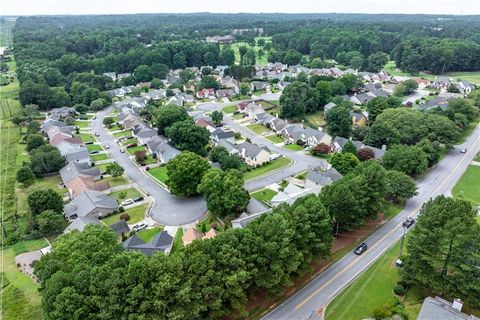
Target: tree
[[185, 172], [432, 149], [376, 107], [463, 106], [400, 186], [108, 121], [292, 57], [351, 82], [142, 73], [227, 161], [227, 55], [30, 111], [244, 89], [217, 117], [453, 88], [349, 147], [187, 75], [46, 159], [376, 61], [344, 162], [98, 104], [338, 88], [25, 176], [297, 99], [45, 199], [407, 159], [185, 135], [58, 98], [81, 108], [321, 149], [140, 156], [34, 141], [49, 222], [168, 115], [356, 62], [242, 50], [224, 192], [156, 83], [443, 250], [324, 92], [365, 154], [115, 170], [209, 82], [339, 122]]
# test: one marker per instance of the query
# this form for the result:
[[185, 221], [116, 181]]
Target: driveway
[[167, 209]]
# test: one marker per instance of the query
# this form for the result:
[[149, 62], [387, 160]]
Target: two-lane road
[[309, 302]]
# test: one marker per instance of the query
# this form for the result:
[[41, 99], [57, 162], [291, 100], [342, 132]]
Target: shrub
[[140, 155], [121, 209], [399, 290], [124, 216], [321, 149]]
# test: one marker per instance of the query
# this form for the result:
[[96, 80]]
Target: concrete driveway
[[167, 209]]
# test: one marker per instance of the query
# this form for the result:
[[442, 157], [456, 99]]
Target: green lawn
[[102, 167], [129, 141], [129, 194], [177, 241], [136, 214], [135, 149], [21, 299], [115, 182], [122, 134], [81, 124], [274, 138], [39, 184], [86, 137], [257, 128], [115, 127], [160, 173], [206, 224], [238, 116], [147, 234], [293, 147], [148, 160], [94, 147], [468, 187], [230, 109], [259, 60], [477, 157], [100, 157], [472, 76], [272, 166], [264, 194]]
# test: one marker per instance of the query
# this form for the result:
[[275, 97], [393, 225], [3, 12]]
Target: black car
[[408, 223], [138, 199], [94, 152], [361, 248]]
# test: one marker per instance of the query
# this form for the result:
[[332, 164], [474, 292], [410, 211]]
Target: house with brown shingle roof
[[192, 234], [79, 184]]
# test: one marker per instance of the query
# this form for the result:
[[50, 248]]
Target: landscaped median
[[268, 168]]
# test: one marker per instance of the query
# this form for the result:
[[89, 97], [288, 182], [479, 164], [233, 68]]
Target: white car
[[275, 156], [127, 202], [122, 150], [464, 150], [139, 227]]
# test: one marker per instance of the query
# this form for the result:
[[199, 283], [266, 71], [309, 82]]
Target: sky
[[47, 7]]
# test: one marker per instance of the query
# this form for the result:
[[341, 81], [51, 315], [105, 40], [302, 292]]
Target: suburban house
[[155, 94], [225, 93], [258, 85], [160, 149], [206, 94], [79, 184], [338, 143], [422, 83], [359, 118], [191, 234], [438, 102], [231, 148], [80, 223], [313, 137], [63, 137], [277, 125], [292, 132], [90, 203], [221, 134], [53, 130], [122, 76], [189, 87], [229, 83], [50, 123], [438, 308], [73, 170], [282, 85], [329, 106], [205, 122], [121, 228], [322, 178], [253, 155], [289, 194], [111, 75], [465, 86], [441, 82], [145, 134], [244, 219], [81, 156], [62, 113], [161, 242]]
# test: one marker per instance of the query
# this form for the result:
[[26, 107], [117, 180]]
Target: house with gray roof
[[160, 149], [220, 134], [441, 82], [231, 148], [81, 223], [289, 194], [438, 102], [329, 106], [90, 203], [339, 142], [258, 85], [79, 157], [50, 123], [465, 87], [313, 137], [145, 134], [161, 242], [73, 170], [252, 154], [121, 227], [244, 219], [322, 178], [225, 93], [441, 309], [277, 125]]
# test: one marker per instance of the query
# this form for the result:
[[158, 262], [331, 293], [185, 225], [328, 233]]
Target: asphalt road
[[309, 302], [167, 209]]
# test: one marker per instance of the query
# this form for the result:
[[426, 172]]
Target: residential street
[[167, 209], [311, 301]]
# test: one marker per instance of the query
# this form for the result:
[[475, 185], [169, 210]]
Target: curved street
[[311, 301]]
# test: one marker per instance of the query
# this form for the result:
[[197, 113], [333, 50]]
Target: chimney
[[457, 304], [384, 147]]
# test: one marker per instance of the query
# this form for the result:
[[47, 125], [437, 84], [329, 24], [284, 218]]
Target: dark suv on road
[[408, 223], [361, 248]]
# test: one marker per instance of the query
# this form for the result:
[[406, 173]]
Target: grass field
[[148, 160], [100, 157], [86, 137], [135, 149], [21, 299], [259, 60], [129, 194], [94, 147], [293, 147], [177, 241], [115, 182], [229, 109], [147, 234], [81, 124], [159, 173], [257, 128], [468, 187], [115, 127], [264, 194], [122, 134], [136, 214], [268, 168], [274, 138], [129, 141]]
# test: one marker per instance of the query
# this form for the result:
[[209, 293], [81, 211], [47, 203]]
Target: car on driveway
[[361, 249], [138, 199], [139, 227], [127, 202], [408, 222]]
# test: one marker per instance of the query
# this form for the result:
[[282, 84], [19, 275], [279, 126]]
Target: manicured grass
[[86, 137], [81, 124], [148, 160], [229, 109], [135, 149], [468, 187], [293, 147], [274, 138], [177, 241], [160, 173], [100, 157], [206, 224], [115, 182], [264, 194], [147, 234], [238, 116], [94, 147], [471, 76], [136, 214], [21, 299], [102, 167], [122, 134], [129, 141], [272, 166], [114, 127], [129, 194], [257, 128]]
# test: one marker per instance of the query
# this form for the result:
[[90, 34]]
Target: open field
[[468, 187], [316, 120], [136, 214], [272, 166], [259, 60]]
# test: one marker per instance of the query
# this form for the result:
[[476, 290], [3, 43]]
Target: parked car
[[361, 248], [275, 156], [138, 199], [97, 134], [126, 202], [463, 150], [89, 142], [122, 150], [94, 152], [408, 223], [139, 227], [106, 146], [131, 145]]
